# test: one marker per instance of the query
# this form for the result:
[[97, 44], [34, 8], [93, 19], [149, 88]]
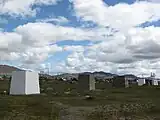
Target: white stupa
[[24, 83]]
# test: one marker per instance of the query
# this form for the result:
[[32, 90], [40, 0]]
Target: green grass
[[137, 103]]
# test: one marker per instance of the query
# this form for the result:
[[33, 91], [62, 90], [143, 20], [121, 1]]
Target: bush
[[120, 111]]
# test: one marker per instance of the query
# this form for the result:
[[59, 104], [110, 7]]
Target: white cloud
[[129, 50], [39, 54], [24, 52], [57, 20], [111, 54], [8, 41], [136, 52], [74, 48], [23, 7], [38, 34], [3, 21], [155, 1], [121, 16], [33, 41], [1, 29]]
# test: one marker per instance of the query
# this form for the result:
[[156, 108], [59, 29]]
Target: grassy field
[[62, 101]]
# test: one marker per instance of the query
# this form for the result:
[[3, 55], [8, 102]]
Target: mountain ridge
[[98, 75], [5, 69]]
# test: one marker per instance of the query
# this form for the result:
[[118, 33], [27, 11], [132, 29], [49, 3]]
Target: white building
[[153, 79], [24, 83], [155, 82], [147, 81], [141, 81]]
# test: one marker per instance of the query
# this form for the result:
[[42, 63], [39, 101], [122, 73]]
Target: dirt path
[[75, 113]]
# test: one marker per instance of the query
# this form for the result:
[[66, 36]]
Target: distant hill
[[103, 75], [6, 69], [130, 75], [99, 75], [67, 76]]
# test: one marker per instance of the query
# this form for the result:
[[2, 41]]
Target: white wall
[[154, 82], [32, 83], [17, 85], [24, 82], [92, 83], [141, 82]]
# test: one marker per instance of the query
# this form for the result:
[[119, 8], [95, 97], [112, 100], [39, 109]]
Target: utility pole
[[48, 69], [0, 64]]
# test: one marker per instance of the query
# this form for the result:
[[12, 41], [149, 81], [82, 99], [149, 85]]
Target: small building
[[132, 80], [86, 81], [24, 83], [155, 82], [152, 80], [120, 81], [1, 78], [141, 81], [147, 81]]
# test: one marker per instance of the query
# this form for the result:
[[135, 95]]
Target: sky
[[70, 36]]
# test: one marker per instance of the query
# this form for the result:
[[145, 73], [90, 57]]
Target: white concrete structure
[[86, 82], [24, 83], [141, 81], [154, 82]]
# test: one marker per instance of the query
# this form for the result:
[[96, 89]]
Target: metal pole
[[0, 65], [48, 70]]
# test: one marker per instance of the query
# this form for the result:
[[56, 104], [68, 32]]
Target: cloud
[[120, 16], [121, 45], [38, 55], [37, 34], [155, 1], [23, 52], [135, 51], [57, 20], [8, 41], [144, 42], [1, 29], [33, 40], [3, 21], [112, 53], [23, 7], [74, 48]]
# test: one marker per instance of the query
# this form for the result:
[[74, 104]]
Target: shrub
[[119, 111]]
